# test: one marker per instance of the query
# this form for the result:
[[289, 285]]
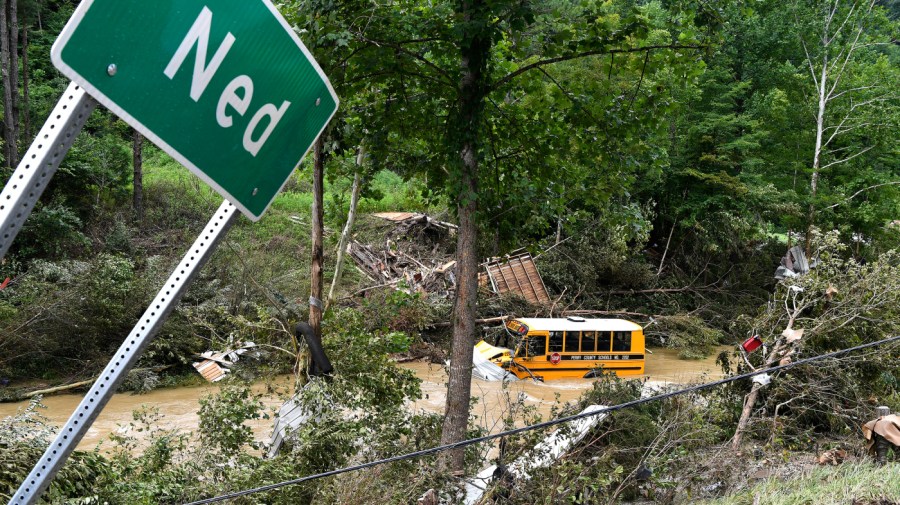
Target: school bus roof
[[562, 324]]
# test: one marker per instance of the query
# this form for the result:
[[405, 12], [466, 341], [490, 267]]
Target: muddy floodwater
[[179, 406]]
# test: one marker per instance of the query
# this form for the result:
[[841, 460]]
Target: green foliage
[[222, 418], [839, 304], [690, 334], [23, 438], [52, 231]]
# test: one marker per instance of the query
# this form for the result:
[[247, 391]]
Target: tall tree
[[841, 31], [137, 157], [10, 90], [481, 55]]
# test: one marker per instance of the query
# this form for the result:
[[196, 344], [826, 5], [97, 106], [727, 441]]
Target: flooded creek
[[179, 406]]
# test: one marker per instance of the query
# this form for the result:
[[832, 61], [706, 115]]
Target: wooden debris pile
[[414, 257], [216, 365], [395, 268]]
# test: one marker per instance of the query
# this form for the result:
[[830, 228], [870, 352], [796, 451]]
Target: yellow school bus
[[574, 347]]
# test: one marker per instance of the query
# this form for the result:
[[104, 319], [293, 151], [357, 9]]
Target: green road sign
[[223, 86]]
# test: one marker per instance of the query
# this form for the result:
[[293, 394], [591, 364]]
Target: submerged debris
[[484, 368]]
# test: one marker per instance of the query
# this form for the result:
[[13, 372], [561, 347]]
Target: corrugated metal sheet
[[517, 274]]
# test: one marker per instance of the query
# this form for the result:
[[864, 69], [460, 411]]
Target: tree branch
[[854, 195], [512, 75], [848, 158]]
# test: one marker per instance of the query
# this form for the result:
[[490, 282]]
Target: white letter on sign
[[253, 146], [199, 34], [230, 97]]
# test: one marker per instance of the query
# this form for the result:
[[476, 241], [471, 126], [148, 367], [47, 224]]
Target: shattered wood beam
[[446, 324], [606, 312]]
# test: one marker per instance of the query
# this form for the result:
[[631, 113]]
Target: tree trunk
[[464, 130], [750, 400], [316, 269], [817, 154], [456, 415], [137, 145], [8, 125], [26, 116], [348, 227], [14, 69]]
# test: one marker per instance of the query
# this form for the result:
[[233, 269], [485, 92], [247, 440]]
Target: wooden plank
[[519, 266], [518, 278], [534, 278], [518, 274]]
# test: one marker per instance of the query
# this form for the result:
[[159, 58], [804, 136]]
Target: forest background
[[661, 156]]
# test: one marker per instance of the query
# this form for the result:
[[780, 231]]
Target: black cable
[[545, 424]]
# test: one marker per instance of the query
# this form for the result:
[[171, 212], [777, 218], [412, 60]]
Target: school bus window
[[556, 341], [587, 341], [572, 338], [537, 346], [621, 341], [603, 341], [520, 349]]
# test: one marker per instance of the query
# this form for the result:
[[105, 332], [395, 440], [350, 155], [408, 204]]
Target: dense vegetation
[[660, 156]]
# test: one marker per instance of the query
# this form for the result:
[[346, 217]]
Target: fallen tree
[[841, 303]]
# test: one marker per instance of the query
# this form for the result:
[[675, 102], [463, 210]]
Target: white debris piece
[[762, 379], [555, 445], [490, 371], [216, 365], [290, 416]]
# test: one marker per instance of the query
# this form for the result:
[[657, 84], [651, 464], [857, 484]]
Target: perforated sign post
[[224, 87]]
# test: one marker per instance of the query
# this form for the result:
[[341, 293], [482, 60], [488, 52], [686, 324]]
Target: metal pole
[[41, 161], [127, 355]]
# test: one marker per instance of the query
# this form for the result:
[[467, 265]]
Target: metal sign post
[[41, 161], [126, 356]]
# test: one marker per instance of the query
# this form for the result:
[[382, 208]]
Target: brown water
[[497, 400], [179, 406]]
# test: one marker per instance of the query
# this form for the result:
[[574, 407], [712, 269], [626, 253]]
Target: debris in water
[[487, 370], [216, 365]]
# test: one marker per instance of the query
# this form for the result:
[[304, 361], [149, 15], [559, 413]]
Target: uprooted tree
[[840, 303]]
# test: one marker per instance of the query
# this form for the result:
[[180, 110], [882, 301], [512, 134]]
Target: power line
[[545, 424]]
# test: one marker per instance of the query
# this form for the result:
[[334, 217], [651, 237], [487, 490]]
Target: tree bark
[[753, 396], [348, 227], [26, 116], [137, 145], [14, 69], [817, 152], [8, 124], [316, 268], [464, 130]]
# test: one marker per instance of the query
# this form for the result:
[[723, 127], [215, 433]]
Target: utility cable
[[545, 424]]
